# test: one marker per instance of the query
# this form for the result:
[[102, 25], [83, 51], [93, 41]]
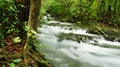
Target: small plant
[[17, 40], [12, 64]]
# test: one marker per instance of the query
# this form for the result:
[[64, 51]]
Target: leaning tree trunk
[[34, 13]]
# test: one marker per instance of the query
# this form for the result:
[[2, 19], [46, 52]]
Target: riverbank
[[109, 32]]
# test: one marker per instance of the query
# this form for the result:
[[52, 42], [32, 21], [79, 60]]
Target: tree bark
[[30, 12], [34, 14]]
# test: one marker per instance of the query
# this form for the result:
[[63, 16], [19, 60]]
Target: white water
[[68, 53]]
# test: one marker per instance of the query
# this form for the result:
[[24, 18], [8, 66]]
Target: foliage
[[17, 40], [12, 65], [8, 19], [103, 11], [17, 60], [17, 37]]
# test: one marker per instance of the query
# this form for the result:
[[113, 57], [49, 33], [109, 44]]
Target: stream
[[65, 45]]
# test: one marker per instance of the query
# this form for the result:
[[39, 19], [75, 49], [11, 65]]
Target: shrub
[[8, 18]]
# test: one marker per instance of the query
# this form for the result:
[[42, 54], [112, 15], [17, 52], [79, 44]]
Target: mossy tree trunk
[[34, 13], [30, 12]]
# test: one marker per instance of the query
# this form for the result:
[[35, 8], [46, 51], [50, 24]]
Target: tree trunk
[[34, 14], [31, 14]]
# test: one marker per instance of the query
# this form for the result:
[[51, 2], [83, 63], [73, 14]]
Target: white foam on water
[[67, 52]]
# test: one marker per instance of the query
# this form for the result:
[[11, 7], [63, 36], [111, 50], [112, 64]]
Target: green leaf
[[2, 44], [16, 60], [27, 28], [21, 5], [8, 31], [29, 34], [17, 40], [3, 66], [12, 65], [34, 32]]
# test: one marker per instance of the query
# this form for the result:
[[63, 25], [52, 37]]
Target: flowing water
[[68, 46]]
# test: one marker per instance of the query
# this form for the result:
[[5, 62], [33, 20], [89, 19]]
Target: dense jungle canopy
[[99, 11]]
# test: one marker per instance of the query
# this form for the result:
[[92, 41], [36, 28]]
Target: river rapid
[[65, 45]]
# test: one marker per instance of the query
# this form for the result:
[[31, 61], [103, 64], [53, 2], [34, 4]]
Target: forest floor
[[11, 55]]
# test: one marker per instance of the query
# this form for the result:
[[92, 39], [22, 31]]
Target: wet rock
[[117, 39], [74, 37], [110, 38]]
